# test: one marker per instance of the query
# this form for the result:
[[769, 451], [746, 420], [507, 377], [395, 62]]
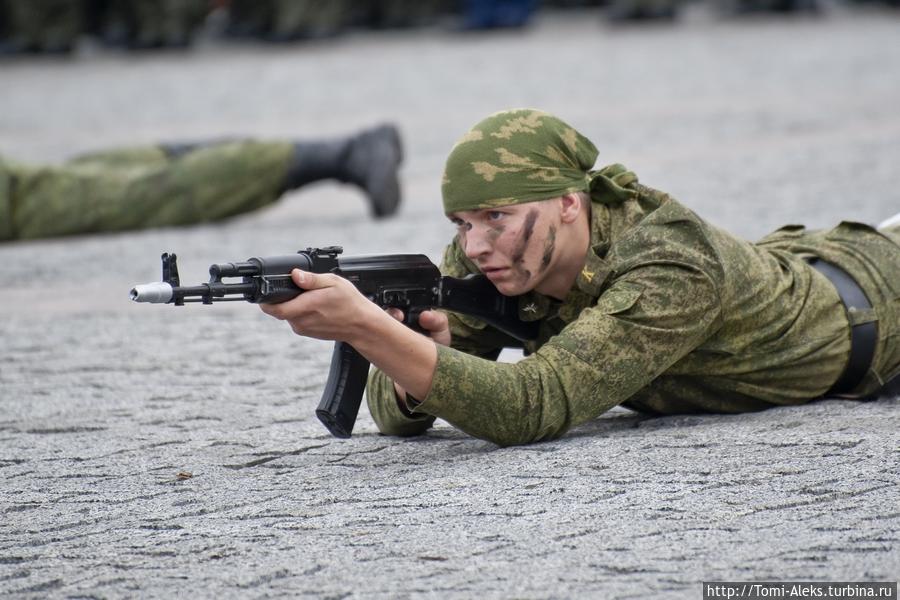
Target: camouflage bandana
[[516, 156]]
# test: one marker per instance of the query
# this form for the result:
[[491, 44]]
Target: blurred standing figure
[[248, 18], [308, 19], [573, 3], [164, 23], [145, 24], [40, 26], [497, 14], [737, 8], [183, 184], [621, 11], [288, 20], [394, 14]]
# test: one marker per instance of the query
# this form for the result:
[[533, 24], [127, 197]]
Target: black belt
[[863, 336]]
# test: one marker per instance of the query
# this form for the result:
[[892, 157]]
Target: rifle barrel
[[160, 292]]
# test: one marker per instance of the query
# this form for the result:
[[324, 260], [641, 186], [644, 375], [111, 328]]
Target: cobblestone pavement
[[104, 403]]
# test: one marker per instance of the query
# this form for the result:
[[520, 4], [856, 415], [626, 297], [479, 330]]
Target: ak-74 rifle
[[409, 282]]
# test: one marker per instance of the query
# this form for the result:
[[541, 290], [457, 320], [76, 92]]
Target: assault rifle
[[409, 282]]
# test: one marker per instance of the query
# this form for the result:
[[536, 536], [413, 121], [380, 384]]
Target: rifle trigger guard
[[411, 318]]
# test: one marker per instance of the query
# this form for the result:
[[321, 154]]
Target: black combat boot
[[369, 160]]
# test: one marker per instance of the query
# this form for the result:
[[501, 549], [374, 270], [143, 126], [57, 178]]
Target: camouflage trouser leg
[[140, 188]]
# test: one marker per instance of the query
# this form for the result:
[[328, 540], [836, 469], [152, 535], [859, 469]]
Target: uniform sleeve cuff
[[447, 382]]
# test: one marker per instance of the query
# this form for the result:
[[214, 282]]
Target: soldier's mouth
[[494, 272]]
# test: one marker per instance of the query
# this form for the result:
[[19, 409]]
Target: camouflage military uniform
[[138, 188], [289, 20], [491, 14], [642, 10], [383, 14], [44, 26], [163, 23], [183, 184], [669, 314]]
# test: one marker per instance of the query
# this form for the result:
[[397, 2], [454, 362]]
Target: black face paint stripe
[[549, 248], [530, 220], [527, 231], [496, 232], [519, 257]]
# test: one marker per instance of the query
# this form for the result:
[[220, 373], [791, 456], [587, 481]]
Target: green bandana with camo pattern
[[517, 156]]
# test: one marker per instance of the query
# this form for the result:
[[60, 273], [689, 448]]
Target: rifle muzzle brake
[[154, 293]]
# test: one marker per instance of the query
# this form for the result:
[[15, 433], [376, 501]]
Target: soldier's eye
[[461, 225]]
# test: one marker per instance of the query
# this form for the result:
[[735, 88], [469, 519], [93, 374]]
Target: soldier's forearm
[[390, 418], [407, 357]]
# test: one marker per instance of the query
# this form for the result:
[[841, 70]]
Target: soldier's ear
[[570, 207]]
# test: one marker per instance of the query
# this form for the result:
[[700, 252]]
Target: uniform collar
[[596, 268], [534, 306]]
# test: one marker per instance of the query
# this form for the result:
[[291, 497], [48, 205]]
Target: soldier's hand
[[330, 309], [437, 325], [434, 322]]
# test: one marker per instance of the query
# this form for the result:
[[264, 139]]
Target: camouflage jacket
[[670, 314]]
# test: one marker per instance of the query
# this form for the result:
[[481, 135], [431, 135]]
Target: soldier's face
[[514, 246]]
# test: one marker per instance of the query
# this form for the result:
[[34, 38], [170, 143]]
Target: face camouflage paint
[[519, 255], [549, 248]]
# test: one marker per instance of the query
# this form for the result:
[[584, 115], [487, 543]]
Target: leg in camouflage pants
[[183, 184]]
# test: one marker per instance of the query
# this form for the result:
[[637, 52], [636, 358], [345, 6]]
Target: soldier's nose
[[476, 245]]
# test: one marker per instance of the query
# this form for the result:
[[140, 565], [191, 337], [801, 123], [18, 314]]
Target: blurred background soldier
[[497, 14], [397, 14], [51, 26], [182, 184], [248, 19], [146, 24], [155, 23], [642, 10], [288, 20], [55, 26], [738, 8]]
